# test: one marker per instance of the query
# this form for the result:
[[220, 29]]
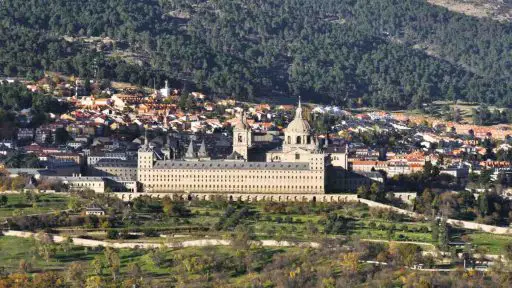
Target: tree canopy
[[388, 54]]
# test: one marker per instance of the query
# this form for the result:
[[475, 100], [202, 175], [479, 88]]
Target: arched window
[[298, 140], [309, 140], [289, 140], [240, 138]]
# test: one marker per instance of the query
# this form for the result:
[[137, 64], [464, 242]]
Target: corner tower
[[145, 155]]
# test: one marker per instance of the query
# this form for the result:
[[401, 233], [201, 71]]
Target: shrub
[[150, 233], [112, 234]]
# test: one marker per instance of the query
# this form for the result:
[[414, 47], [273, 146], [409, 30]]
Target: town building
[[94, 210]]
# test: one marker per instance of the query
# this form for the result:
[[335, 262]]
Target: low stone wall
[[406, 197], [393, 208], [478, 226], [453, 222]]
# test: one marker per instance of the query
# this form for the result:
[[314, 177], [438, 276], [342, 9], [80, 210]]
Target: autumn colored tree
[[113, 261], [350, 262]]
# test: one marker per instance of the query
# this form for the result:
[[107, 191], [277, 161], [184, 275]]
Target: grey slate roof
[[172, 164], [116, 163]]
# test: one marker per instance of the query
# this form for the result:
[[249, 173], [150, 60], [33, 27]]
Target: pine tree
[[434, 226], [444, 235]]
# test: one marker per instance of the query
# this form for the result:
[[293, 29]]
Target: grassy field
[[175, 262], [494, 243], [13, 249], [17, 204], [291, 225], [303, 222]]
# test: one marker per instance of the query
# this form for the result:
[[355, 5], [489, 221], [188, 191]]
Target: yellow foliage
[[350, 261]]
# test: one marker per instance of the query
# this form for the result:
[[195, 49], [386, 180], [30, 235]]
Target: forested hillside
[[386, 53]]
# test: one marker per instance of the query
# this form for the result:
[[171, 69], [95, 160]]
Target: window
[[298, 140], [240, 138], [297, 156]]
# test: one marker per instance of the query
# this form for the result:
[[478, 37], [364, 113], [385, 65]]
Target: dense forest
[[387, 53]]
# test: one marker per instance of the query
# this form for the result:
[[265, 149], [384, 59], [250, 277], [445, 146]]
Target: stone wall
[[454, 222], [406, 197], [247, 196]]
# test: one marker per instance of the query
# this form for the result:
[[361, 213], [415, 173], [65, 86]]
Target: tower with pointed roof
[[190, 154], [299, 134], [202, 154], [145, 157], [242, 136]]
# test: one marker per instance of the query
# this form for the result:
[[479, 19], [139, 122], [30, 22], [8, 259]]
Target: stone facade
[[126, 169], [80, 183]]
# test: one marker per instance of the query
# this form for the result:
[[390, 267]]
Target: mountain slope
[[500, 10], [344, 51]]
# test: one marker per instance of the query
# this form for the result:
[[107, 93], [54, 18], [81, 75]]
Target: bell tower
[[242, 136]]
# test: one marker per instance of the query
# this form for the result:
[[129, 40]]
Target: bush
[[112, 234], [150, 233]]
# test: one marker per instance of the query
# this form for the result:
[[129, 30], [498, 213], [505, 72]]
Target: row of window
[[222, 172], [224, 177], [86, 184], [212, 186]]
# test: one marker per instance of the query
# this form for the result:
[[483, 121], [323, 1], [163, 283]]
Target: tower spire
[[202, 153], [298, 112], [190, 151], [146, 142]]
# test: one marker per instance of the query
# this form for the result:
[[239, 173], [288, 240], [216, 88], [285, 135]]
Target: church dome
[[298, 124]]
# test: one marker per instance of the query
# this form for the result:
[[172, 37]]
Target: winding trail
[[145, 245]]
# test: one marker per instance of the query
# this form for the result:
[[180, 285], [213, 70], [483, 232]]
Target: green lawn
[[17, 204], [14, 249], [495, 243], [176, 261]]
